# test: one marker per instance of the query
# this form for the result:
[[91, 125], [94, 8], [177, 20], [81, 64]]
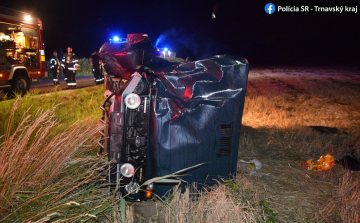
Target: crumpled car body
[[189, 114]]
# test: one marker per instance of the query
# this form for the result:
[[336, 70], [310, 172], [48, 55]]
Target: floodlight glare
[[27, 18]]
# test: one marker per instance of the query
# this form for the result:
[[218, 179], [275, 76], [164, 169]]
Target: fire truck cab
[[22, 53]]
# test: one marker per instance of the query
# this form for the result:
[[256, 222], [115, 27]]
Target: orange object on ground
[[324, 163]]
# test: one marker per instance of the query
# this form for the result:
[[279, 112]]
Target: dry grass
[[220, 203], [280, 108], [345, 204], [349, 194], [32, 157]]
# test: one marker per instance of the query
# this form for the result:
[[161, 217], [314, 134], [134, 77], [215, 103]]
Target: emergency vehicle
[[22, 53]]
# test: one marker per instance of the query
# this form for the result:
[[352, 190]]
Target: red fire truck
[[22, 52]]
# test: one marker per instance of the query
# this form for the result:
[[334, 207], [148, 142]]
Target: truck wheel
[[21, 84]]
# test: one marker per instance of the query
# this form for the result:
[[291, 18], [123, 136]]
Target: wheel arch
[[18, 70]]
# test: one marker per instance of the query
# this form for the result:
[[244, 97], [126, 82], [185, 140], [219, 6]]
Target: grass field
[[49, 169], [48, 152]]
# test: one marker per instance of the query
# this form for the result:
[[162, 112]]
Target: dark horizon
[[240, 28]]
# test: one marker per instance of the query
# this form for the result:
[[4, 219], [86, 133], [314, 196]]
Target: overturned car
[[160, 118]]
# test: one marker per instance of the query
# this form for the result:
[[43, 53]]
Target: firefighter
[[70, 63], [54, 66], [95, 67], [102, 72]]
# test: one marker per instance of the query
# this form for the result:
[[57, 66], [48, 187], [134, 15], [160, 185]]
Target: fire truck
[[22, 53]]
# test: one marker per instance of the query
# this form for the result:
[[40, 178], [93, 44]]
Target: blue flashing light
[[116, 39], [165, 49]]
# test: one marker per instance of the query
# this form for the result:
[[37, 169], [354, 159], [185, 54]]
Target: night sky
[[241, 28]]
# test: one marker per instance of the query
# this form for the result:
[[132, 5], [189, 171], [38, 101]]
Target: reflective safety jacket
[[70, 62], [54, 63]]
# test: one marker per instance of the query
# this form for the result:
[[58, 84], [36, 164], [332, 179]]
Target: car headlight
[[127, 170], [132, 188], [132, 101]]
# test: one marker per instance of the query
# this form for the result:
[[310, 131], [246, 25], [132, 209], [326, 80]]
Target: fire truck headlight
[[127, 170], [132, 101], [27, 18]]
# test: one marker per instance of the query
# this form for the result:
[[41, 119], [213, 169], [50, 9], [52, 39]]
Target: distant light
[[165, 49], [116, 39], [158, 49], [164, 53], [27, 18], [169, 52]]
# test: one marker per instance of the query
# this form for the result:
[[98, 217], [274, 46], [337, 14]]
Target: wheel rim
[[22, 85]]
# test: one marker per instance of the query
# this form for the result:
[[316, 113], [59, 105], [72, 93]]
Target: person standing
[[70, 63], [61, 72], [54, 66], [95, 67], [102, 73]]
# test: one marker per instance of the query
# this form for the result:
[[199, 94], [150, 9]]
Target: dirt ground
[[293, 114]]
